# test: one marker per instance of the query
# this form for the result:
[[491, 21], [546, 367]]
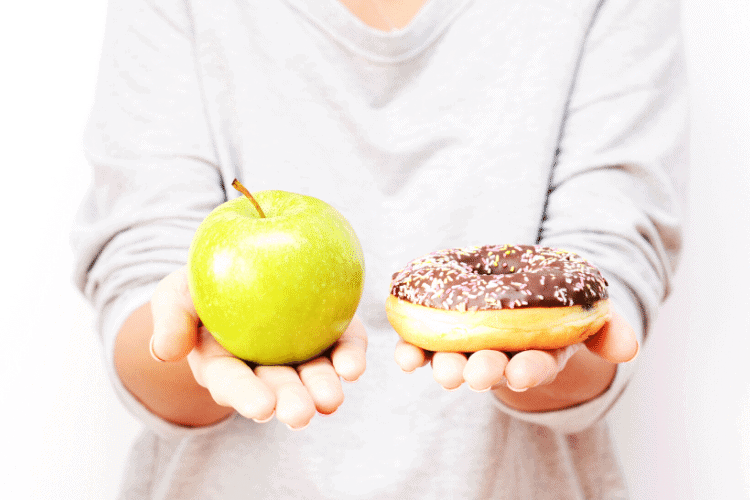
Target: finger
[[349, 353], [615, 342], [229, 380], [485, 369], [174, 316], [294, 405], [410, 357], [323, 384], [529, 369], [448, 369]]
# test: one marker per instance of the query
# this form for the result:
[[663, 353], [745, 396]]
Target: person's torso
[[441, 134]]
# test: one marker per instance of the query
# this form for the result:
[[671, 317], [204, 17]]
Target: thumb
[[175, 319], [615, 342]]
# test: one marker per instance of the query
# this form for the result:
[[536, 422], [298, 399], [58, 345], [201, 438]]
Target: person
[[428, 125]]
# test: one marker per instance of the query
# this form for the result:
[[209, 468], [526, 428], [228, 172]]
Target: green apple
[[277, 280]]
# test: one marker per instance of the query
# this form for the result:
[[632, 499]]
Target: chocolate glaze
[[499, 277]]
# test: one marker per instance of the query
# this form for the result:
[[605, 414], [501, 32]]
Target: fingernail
[[637, 351], [264, 420], [479, 390], [299, 428], [151, 351], [516, 390], [452, 389]]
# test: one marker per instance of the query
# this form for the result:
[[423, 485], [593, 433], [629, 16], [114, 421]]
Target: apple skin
[[280, 289]]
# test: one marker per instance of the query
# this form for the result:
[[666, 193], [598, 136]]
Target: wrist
[[166, 389]]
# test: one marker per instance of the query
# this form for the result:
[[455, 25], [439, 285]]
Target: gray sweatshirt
[[481, 122]]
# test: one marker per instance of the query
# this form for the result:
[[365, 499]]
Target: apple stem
[[242, 189]]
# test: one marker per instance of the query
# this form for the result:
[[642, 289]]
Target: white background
[[683, 428]]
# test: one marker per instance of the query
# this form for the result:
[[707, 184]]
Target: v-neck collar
[[377, 45]]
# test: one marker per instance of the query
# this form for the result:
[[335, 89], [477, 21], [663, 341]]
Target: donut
[[502, 297]]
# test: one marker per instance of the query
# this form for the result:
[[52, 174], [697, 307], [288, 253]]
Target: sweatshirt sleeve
[[154, 170], [615, 194]]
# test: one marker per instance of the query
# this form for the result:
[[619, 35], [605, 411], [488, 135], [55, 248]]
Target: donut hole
[[497, 268], [482, 271], [488, 265]]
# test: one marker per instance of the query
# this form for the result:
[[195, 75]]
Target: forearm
[[169, 390], [585, 377], [154, 179]]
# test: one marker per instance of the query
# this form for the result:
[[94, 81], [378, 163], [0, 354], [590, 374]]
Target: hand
[[292, 394], [591, 367]]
